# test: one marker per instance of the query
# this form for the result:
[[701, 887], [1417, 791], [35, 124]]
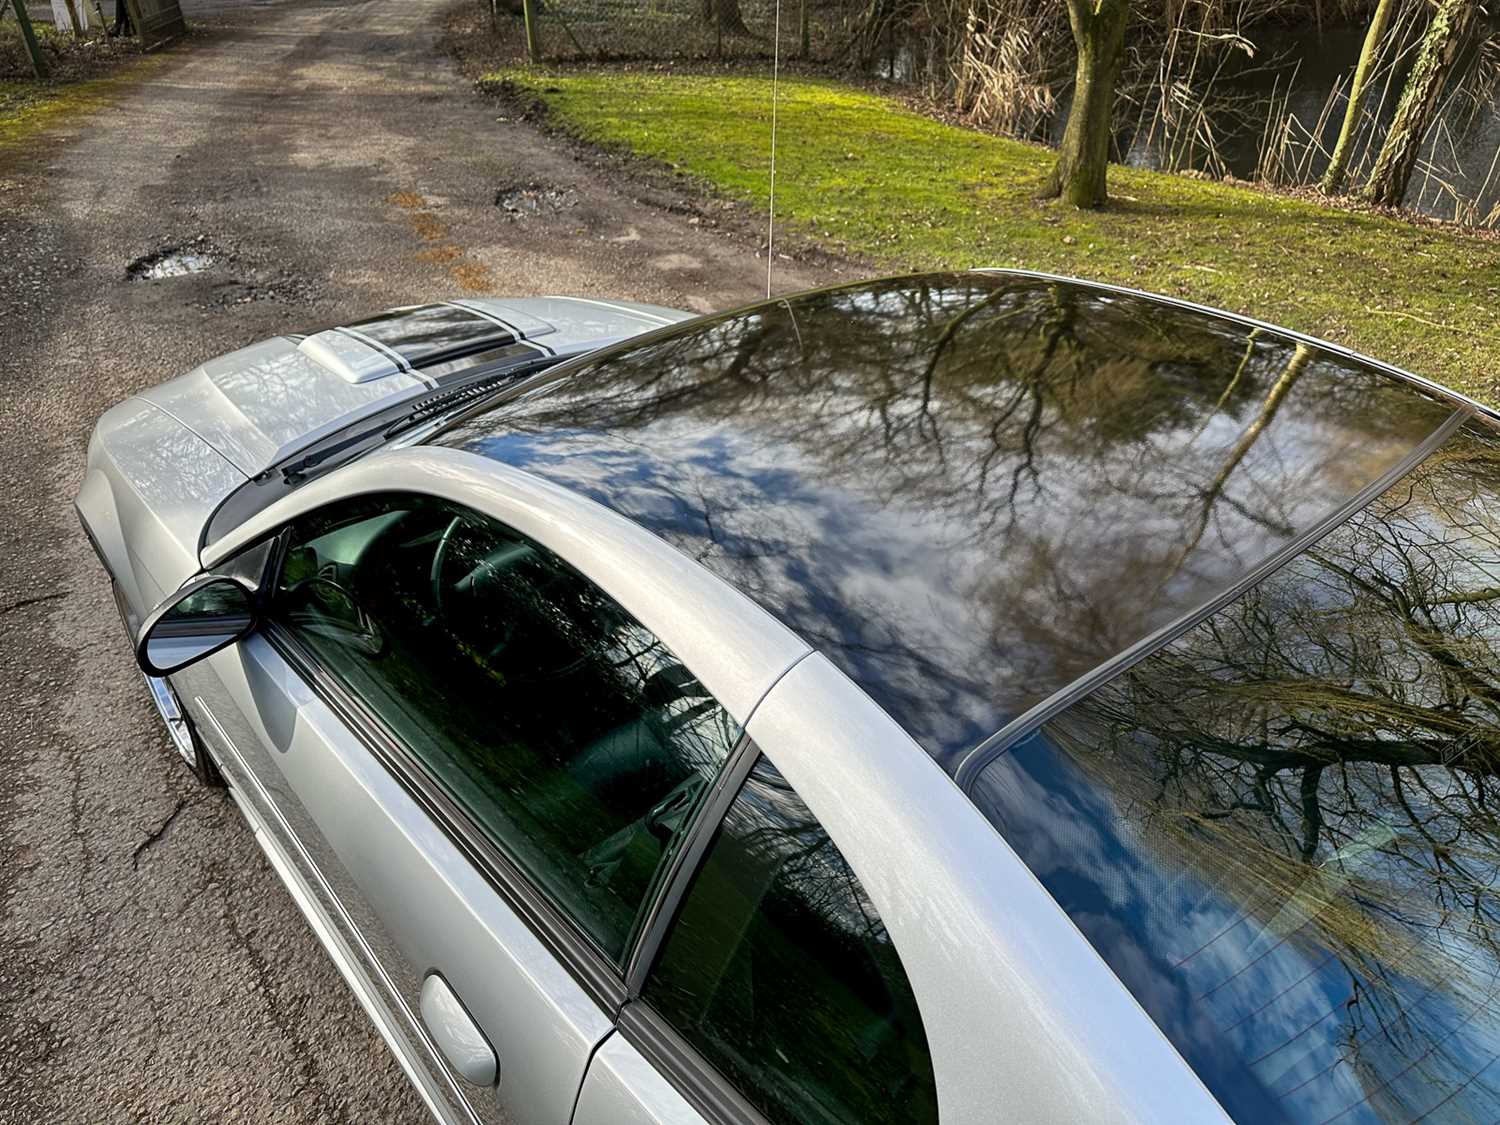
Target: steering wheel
[[439, 557], [435, 580], [366, 635]]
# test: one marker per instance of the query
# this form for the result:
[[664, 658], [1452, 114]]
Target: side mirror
[[204, 616]]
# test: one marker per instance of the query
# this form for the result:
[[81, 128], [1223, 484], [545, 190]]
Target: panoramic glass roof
[[1280, 830], [967, 489]]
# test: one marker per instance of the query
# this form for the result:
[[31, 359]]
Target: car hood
[[258, 405]]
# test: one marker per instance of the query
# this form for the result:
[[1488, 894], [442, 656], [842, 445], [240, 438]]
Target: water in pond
[[1300, 70], [1304, 68]]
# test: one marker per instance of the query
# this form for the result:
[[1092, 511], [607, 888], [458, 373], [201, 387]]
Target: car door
[[770, 991], [487, 766]]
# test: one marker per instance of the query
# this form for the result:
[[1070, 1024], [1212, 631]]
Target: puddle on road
[[533, 199], [174, 262]]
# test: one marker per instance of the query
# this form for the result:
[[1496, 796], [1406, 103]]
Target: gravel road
[[332, 162]]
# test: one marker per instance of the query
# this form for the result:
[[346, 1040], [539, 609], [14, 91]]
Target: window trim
[[662, 910], [564, 939], [593, 969], [690, 1074], [972, 764]]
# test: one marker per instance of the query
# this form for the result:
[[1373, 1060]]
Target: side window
[[566, 729], [779, 972]]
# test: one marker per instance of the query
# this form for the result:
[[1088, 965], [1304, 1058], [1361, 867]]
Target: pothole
[[534, 199], [175, 261]]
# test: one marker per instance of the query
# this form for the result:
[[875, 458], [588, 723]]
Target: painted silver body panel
[[1024, 1020], [578, 320], [300, 881], [735, 648], [407, 890], [622, 1088], [149, 487], [254, 403], [159, 463], [260, 403]]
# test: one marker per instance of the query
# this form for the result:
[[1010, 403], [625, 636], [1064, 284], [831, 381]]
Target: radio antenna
[[771, 217]]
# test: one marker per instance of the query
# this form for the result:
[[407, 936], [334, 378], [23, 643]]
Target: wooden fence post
[[38, 64]]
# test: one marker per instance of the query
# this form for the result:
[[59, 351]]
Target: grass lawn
[[861, 172]]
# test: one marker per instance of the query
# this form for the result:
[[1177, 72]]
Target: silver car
[[967, 698]]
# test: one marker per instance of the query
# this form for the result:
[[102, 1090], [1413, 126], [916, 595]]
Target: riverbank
[[863, 175]]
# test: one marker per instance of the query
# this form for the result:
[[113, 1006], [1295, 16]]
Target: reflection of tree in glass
[[1322, 759], [779, 968], [967, 489]]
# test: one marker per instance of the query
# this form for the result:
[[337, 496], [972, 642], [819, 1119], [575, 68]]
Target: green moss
[[29, 108], [861, 172]]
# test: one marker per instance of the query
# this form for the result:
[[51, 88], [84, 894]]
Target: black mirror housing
[[206, 615]]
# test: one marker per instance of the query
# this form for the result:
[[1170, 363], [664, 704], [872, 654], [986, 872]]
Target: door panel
[[622, 1088], [418, 903]]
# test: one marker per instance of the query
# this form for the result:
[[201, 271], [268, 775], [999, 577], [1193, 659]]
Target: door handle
[[457, 1035]]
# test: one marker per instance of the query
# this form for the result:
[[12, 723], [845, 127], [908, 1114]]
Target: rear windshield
[[1281, 830]]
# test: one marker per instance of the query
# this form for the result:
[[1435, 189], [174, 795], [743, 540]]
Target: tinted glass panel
[[779, 971], [568, 731], [1281, 831], [967, 489]]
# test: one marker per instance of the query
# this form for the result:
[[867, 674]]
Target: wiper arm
[[420, 412], [298, 468], [439, 404]]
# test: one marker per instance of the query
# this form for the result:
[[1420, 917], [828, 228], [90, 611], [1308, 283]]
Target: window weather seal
[[974, 762], [698, 1081], [589, 966], [684, 865]]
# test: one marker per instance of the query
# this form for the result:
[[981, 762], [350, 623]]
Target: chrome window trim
[[1023, 725]]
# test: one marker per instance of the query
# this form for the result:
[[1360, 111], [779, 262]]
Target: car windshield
[[1281, 831]]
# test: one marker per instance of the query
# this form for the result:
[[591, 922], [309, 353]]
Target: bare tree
[[726, 16], [1082, 159], [1442, 44], [1333, 179]]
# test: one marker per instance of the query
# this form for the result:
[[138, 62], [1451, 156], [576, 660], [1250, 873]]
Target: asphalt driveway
[[329, 160]]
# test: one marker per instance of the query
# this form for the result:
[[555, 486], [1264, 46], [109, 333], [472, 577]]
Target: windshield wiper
[[419, 412], [441, 404]]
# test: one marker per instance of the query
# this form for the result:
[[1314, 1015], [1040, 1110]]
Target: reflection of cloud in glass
[[967, 489], [1279, 830]]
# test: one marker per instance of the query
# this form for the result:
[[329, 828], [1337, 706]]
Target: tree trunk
[[28, 37], [1083, 157], [725, 15], [1442, 43], [528, 17], [1333, 179]]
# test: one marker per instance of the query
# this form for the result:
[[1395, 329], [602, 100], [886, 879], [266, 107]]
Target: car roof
[[970, 489]]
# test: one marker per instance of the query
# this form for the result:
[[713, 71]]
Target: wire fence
[[574, 30]]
